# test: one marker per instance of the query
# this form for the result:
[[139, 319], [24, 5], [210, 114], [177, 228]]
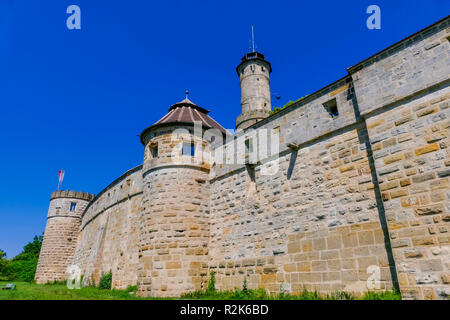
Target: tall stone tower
[[254, 74], [61, 234], [174, 240]]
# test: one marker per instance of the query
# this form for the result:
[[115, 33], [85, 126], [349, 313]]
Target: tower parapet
[[72, 194], [61, 234]]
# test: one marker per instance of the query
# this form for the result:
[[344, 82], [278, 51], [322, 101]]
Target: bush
[[105, 281], [23, 266], [4, 265], [22, 269], [131, 289], [212, 283], [289, 103], [384, 295]]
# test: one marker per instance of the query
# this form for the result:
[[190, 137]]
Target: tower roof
[[186, 112], [253, 56]]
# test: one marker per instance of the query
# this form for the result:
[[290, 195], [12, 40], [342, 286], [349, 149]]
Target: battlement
[[72, 194]]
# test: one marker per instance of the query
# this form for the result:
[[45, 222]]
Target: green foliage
[[131, 289], [289, 103], [59, 291], [340, 295], [23, 266], [105, 281], [384, 295], [4, 264], [22, 270], [212, 283], [261, 294]]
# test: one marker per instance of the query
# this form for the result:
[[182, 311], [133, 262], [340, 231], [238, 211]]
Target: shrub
[[384, 295], [105, 281], [340, 295], [212, 282], [289, 103], [131, 289]]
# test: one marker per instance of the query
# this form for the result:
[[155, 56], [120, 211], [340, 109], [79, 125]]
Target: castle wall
[[404, 96], [110, 232], [382, 163], [410, 144], [314, 223], [344, 197], [407, 67]]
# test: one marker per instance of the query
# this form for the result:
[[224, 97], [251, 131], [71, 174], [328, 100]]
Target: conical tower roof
[[187, 112]]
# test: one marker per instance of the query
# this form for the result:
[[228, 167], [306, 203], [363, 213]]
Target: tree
[[23, 266], [3, 265]]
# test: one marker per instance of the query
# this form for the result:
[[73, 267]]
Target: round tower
[[61, 234], [174, 240], [254, 74]]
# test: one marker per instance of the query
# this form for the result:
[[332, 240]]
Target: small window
[[154, 150], [73, 206], [249, 145], [252, 67], [251, 173], [188, 149], [331, 107], [263, 69]]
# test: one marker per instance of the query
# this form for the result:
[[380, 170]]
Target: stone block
[[426, 149]]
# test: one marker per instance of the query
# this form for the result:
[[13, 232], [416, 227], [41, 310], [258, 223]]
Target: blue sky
[[77, 99]]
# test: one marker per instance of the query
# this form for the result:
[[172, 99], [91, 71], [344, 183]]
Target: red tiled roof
[[187, 112]]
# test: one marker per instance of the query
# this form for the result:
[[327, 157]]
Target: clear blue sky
[[77, 99]]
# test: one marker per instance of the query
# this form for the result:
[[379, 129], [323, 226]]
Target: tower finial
[[253, 40], [187, 93]]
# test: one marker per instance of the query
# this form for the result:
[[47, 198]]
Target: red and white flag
[[60, 177]]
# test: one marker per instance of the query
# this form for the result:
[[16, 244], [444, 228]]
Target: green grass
[[261, 294], [59, 291]]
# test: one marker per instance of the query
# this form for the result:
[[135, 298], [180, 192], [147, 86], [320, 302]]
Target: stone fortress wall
[[109, 232], [366, 187]]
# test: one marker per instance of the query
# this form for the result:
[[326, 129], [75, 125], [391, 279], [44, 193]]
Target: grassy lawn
[[32, 291]]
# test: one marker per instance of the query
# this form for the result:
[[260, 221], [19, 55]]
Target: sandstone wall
[[410, 145], [110, 232], [382, 163], [314, 223], [366, 186], [61, 235], [404, 96], [175, 216]]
